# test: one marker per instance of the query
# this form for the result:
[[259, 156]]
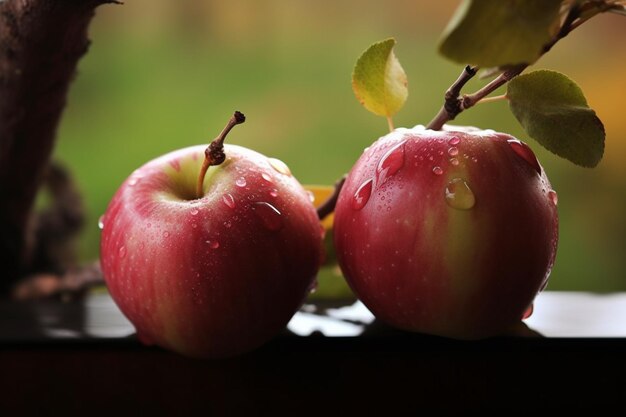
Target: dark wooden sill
[[81, 358]]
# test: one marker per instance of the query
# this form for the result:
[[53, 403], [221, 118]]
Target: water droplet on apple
[[101, 222], [229, 201], [194, 211], [273, 192], [390, 163], [454, 141], [474, 159], [437, 170], [132, 181], [269, 215], [313, 287], [240, 182], [227, 224], [213, 244], [453, 151], [362, 195], [454, 161], [166, 234], [554, 198], [528, 312], [523, 151], [279, 166], [194, 225], [267, 177], [122, 251], [459, 195]]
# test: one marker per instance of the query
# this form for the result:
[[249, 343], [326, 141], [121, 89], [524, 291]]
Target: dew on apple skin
[[194, 211], [459, 195], [523, 151], [270, 217], [166, 234], [454, 141], [273, 192], [528, 312], [122, 251], [229, 201], [240, 182], [553, 197], [280, 166], [213, 244], [437, 170], [362, 195], [101, 222], [454, 161], [390, 163], [266, 177], [453, 151]]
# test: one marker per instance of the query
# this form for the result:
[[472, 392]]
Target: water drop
[[213, 244], [269, 215], [453, 151], [454, 141], [528, 312], [454, 161], [101, 222], [194, 211], [279, 166], [194, 225], [523, 151], [554, 198], [273, 192], [313, 287], [240, 182], [267, 177], [166, 234], [362, 195], [437, 170], [390, 163], [474, 159], [227, 224], [229, 201], [459, 195], [132, 181], [122, 251]]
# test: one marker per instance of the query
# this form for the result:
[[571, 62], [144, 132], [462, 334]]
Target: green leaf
[[553, 111], [491, 33], [378, 80]]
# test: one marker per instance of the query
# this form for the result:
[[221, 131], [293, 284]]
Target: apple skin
[[420, 264], [215, 276]]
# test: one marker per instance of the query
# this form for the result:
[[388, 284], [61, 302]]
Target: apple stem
[[455, 103], [328, 206], [214, 153]]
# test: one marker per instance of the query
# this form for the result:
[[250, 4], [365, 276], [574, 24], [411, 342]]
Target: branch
[[41, 42], [455, 103]]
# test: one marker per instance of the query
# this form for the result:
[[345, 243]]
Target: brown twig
[[454, 103], [328, 206]]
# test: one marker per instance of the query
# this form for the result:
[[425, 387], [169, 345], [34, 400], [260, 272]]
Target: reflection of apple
[[449, 232], [216, 275]]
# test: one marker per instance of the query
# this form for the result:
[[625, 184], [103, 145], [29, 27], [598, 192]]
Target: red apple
[[450, 233], [217, 275]]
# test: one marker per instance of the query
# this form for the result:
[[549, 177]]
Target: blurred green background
[[161, 75]]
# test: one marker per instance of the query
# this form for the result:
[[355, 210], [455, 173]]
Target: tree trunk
[[41, 42]]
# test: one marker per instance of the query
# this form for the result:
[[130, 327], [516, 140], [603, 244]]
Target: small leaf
[[491, 33], [553, 111], [378, 80]]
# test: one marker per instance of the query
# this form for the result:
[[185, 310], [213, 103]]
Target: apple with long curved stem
[[451, 232], [210, 252]]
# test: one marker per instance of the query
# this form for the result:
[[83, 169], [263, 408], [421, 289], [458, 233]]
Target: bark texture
[[41, 42]]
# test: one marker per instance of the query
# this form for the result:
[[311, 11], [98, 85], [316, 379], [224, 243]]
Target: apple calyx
[[214, 153]]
